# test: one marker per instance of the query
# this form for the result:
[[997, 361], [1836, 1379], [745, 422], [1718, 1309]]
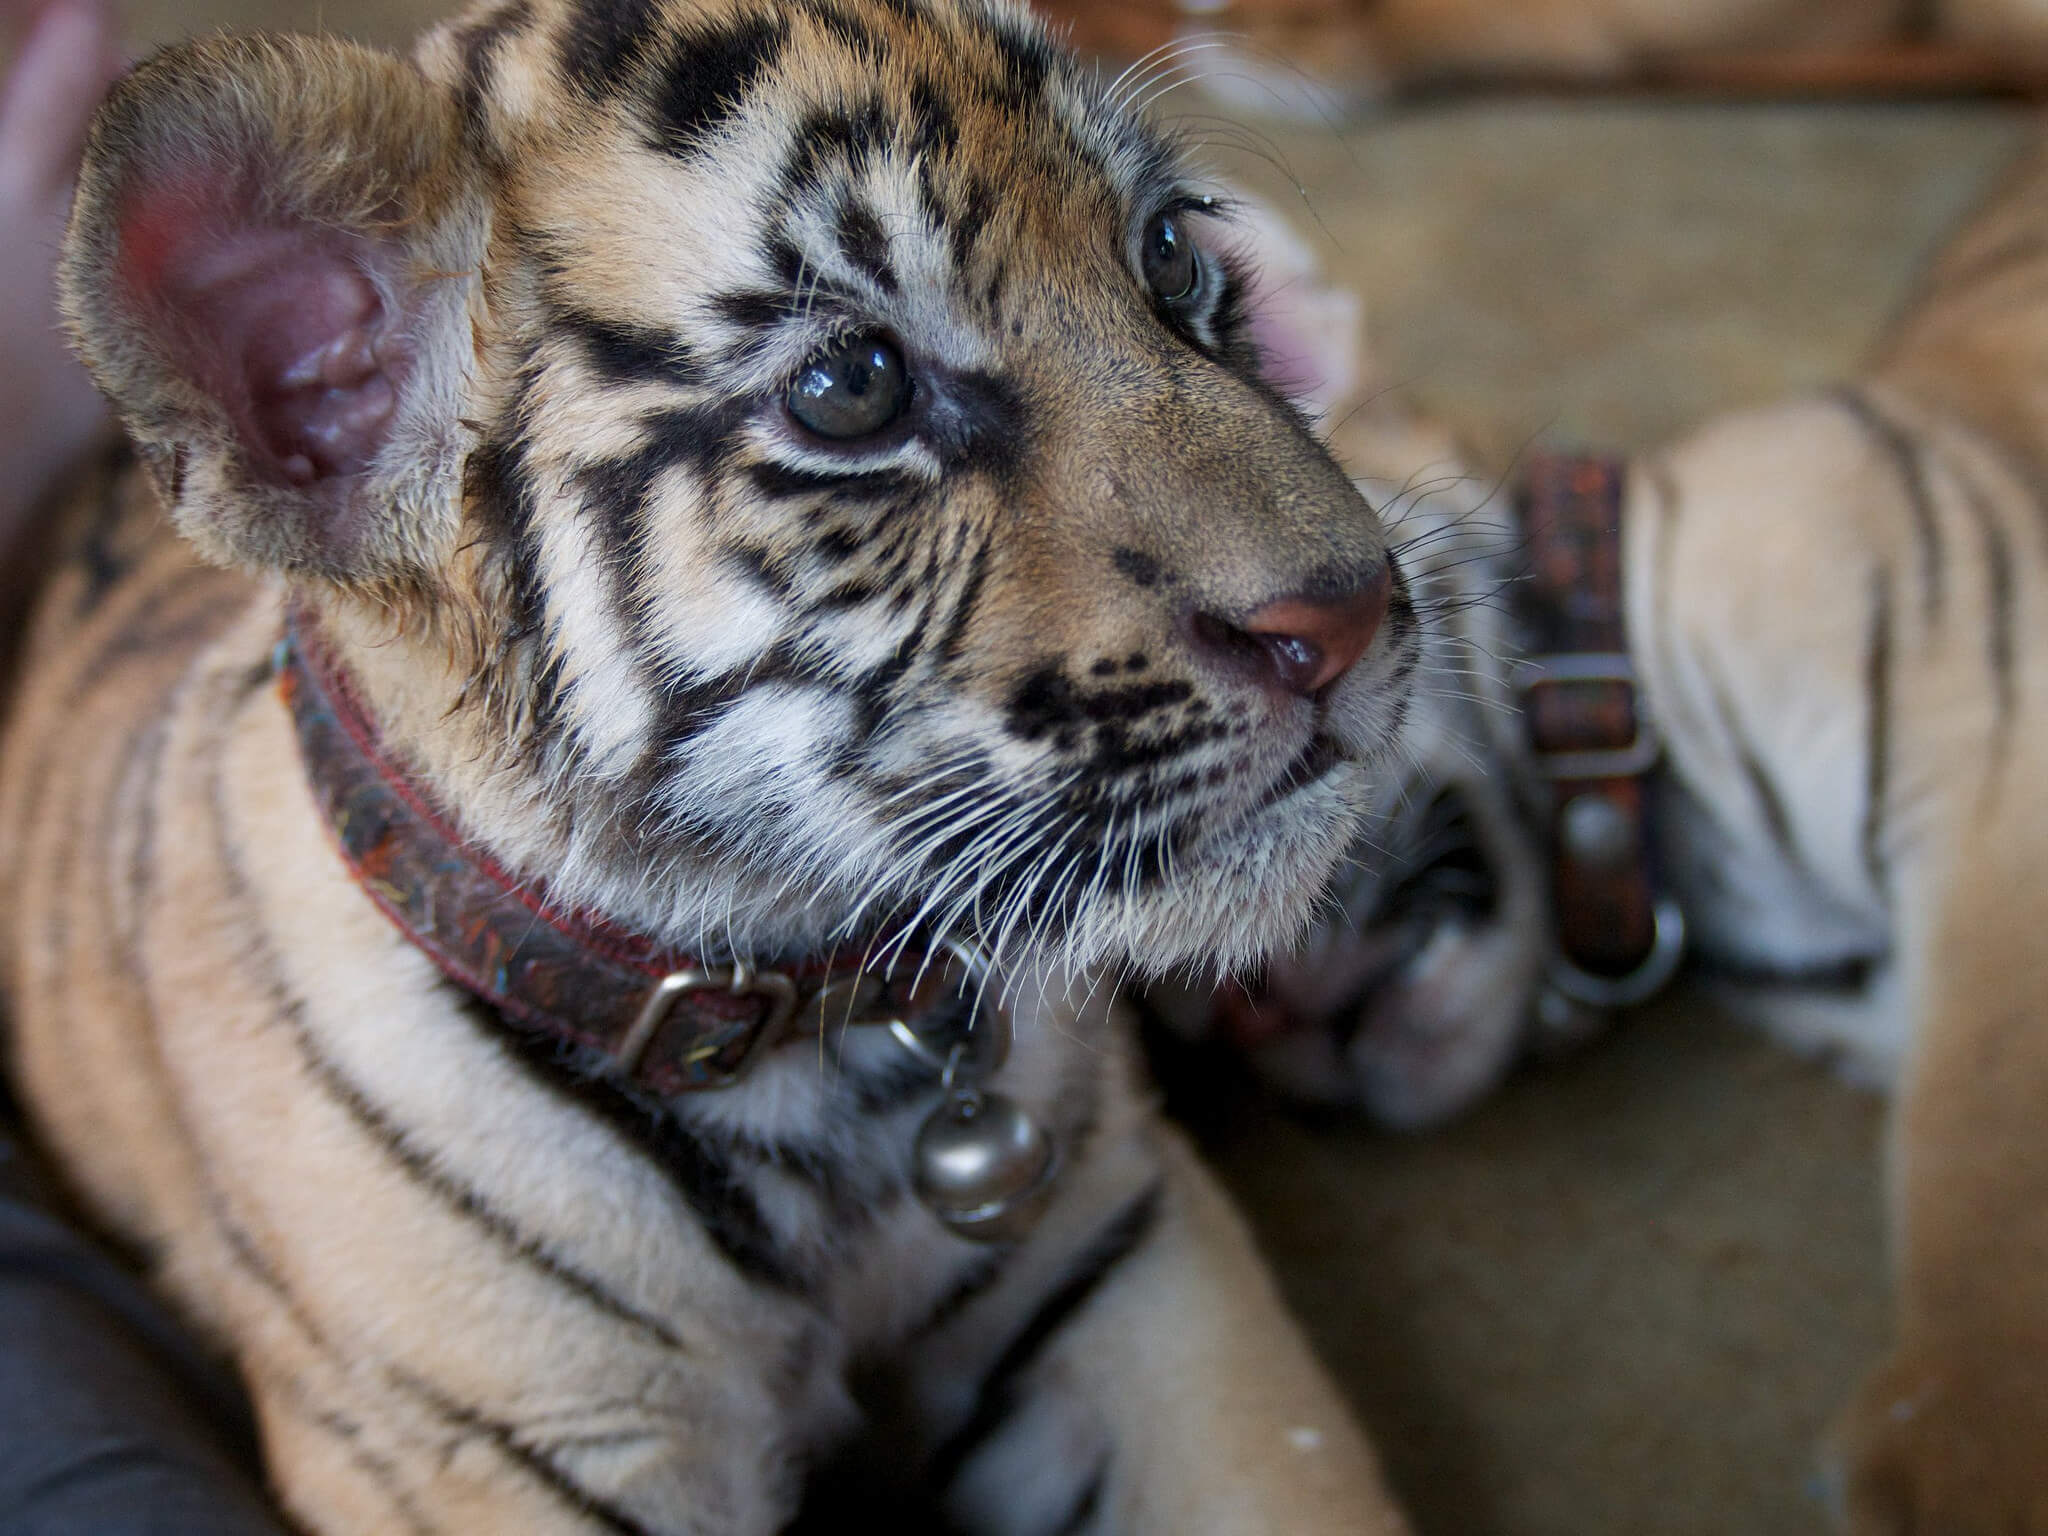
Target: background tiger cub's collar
[[1591, 738], [639, 1014]]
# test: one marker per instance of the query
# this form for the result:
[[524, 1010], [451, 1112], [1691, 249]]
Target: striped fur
[[1856, 722], [1838, 607], [1305, 58], [749, 691]]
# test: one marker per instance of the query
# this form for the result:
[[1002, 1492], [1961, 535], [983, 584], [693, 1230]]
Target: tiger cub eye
[[1169, 260], [853, 390]]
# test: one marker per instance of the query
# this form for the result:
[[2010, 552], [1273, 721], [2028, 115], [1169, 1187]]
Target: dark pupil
[[854, 390], [1169, 259]]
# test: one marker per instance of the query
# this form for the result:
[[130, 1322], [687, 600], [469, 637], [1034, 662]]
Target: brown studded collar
[[641, 1015], [1591, 738]]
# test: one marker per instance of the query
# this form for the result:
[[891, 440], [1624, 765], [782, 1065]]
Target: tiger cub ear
[[270, 270]]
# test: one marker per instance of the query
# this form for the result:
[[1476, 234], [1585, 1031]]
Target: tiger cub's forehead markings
[[843, 155]]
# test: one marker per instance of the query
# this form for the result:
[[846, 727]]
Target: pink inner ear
[[279, 323]]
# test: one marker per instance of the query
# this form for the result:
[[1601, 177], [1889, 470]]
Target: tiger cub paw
[[1931, 1447]]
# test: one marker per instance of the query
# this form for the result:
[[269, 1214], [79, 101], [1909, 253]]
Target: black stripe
[[828, 136], [966, 225], [753, 309], [1230, 326], [478, 46], [757, 310], [1765, 792], [865, 244], [604, 42], [616, 492], [1911, 469], [773, 479], [784, 257], [992, 294], [248, 1259], [370, 1117], [498, 485], [936, 218], [253, 1264], [706, 77], [979, 422], [724, 1207], [837, 545], [506, 1441], [625, 352], [2000, 646], [834, 16], [1025, 55], [161, 628], [850, 1193], [171, 615], [1877, 687], [763, 567], [688, 709], [142, 767], [954, 636], [1047, 699], [376, 1123], [377, 1467], [996, 1398], [935, 130], [873, 690], [850, 28], [968, 1286]]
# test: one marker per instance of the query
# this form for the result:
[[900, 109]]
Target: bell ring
[[972, 1047], [983, 1166]]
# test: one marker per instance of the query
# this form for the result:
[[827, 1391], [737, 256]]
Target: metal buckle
[[742, 980], [1569, 667], [1667, 948]]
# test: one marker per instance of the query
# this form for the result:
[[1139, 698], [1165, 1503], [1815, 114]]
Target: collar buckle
[[720, 1059], [1571, 670]]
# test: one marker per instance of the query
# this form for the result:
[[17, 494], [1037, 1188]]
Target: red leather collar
[[1591, 737], [642, 1015]]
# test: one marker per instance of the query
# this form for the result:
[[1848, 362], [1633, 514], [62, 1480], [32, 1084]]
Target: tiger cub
[[1300, 58], [783, 485], [1839, 621]]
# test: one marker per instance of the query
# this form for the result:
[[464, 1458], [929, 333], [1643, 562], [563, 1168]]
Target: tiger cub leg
[[1175, 1397], [1949, 1436]]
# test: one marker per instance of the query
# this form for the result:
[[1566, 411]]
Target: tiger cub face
[[823, 438]]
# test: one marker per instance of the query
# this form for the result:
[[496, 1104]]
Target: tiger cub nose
[[1304, 644]]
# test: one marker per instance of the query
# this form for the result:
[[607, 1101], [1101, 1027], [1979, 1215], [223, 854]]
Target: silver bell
[[983, 1166]]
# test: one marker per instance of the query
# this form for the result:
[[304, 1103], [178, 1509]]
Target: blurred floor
[[1623, 1298]]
